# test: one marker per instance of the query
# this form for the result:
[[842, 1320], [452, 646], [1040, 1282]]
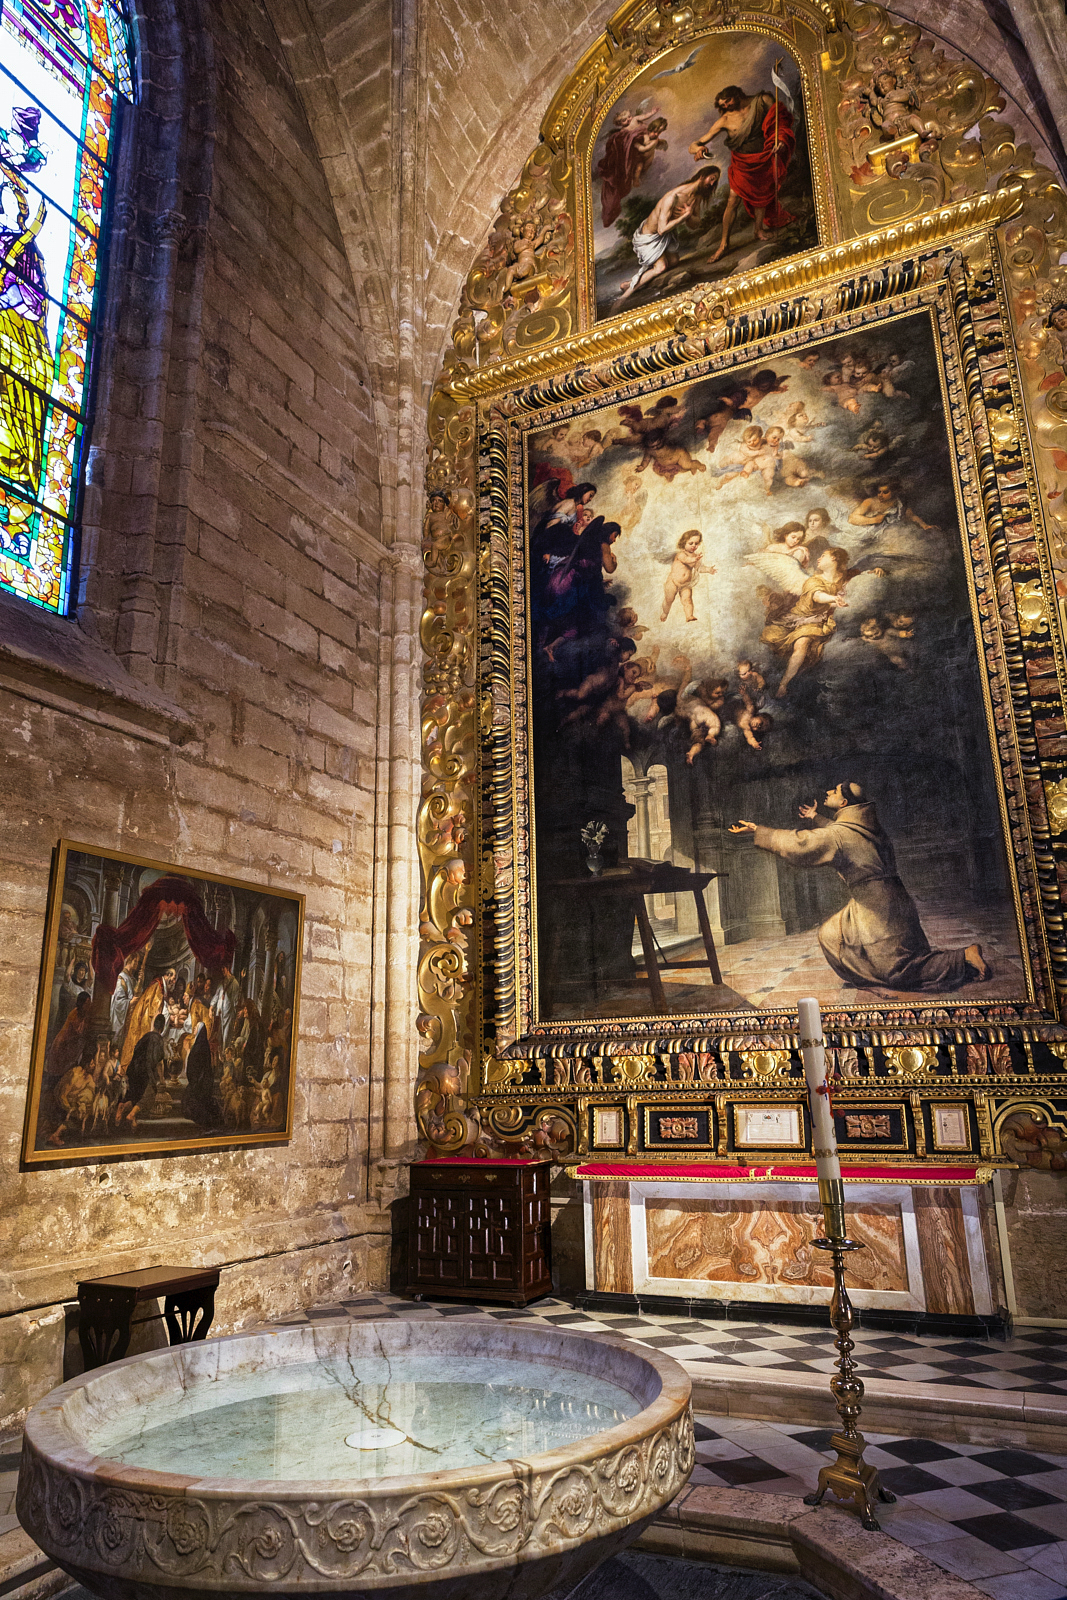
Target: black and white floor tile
[[1034, 1360], [997, 1518]]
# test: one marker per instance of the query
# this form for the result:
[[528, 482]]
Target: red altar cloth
[[708, 1172]]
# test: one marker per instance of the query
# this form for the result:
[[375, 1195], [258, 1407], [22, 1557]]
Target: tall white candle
[[813, 1052]]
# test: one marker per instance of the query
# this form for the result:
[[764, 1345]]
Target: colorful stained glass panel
[[65, 66]]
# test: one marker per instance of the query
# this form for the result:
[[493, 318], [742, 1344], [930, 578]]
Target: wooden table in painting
[[633, 880], [721, 1239], [107, 1308]]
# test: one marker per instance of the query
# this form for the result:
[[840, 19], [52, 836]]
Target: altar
[[720, 1240]]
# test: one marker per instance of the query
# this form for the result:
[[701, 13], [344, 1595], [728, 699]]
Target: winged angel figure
[[801, 608]]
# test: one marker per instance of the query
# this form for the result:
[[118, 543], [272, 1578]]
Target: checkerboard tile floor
[[997, 1518], [1034, 1360]]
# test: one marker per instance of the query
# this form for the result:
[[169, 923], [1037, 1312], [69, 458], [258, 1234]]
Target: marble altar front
[[930, 1248]]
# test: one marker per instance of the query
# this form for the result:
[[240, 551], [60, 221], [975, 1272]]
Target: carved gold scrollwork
[[632, 1069], [1056, 805], [898, 237], [537, 1131], [506, 1119], [911, 1061], [1030, 604], [765, 1064], [498, 1074]]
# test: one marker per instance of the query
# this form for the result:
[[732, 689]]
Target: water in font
[[371, 1418]]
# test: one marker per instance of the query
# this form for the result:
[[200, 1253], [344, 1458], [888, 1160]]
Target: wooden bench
[[107, 1308]]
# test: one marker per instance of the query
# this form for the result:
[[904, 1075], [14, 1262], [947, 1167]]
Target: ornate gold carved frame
[[975, 242]]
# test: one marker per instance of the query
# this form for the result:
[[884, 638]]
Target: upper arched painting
[[700, 168]]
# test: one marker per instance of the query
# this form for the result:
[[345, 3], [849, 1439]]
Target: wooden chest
[[480, 1230]]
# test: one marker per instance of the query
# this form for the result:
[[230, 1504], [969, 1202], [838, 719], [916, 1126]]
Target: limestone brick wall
[[1035, 1205], [276, 626]]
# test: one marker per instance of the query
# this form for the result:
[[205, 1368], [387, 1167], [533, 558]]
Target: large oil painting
[[701, 168], [761, 748], [167, 1012]]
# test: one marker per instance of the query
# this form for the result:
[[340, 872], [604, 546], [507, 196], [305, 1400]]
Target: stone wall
[[1035, 1206], [235, 695]]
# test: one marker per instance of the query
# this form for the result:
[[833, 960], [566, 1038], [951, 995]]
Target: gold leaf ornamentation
[[765, 1064], [1030, 604], [911, 1060], [633, 1069], [498, 1074], [1056, 804]]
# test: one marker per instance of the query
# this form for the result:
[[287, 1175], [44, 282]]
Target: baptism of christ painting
[[700, 169], [761, 759]]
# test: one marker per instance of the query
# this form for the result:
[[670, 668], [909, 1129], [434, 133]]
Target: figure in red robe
[[760, 137], [629, 152]]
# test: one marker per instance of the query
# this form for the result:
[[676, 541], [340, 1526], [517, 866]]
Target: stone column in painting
[[641, 789], [100, 1026], [263, 999]]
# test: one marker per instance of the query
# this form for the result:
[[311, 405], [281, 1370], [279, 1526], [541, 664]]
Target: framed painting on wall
[[744, 608], [700, 168], [757, 751], [167, 1010]]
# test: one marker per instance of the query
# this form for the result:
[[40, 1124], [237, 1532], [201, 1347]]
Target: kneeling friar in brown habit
[[877, 940]]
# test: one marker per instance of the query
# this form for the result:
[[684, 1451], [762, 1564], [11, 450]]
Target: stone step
[[952, 1413], [26, 1573], [778, 1533]]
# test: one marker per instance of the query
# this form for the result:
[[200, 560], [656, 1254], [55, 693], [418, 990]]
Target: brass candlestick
[[849, 1478]]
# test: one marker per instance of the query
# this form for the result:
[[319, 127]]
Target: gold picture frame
[[713, 55], [525, 1012], [608, 1127], [950, 1126], [684, 1118], [766, 1126], [856, 1144], [895, 243], [167, 1011]]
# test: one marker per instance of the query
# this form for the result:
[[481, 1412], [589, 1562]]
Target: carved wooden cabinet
[[480, 1230]]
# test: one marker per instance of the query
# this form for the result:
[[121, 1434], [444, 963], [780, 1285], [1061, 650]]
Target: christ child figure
[[687, 564]]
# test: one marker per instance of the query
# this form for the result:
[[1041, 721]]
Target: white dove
[[686, 64]]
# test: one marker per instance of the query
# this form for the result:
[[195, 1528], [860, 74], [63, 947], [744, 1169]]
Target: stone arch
[[341, 113]]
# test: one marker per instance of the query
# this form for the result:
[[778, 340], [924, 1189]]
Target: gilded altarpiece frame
[[501, 1072]]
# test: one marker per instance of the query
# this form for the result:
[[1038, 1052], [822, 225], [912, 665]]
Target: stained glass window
[[65, 69]]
